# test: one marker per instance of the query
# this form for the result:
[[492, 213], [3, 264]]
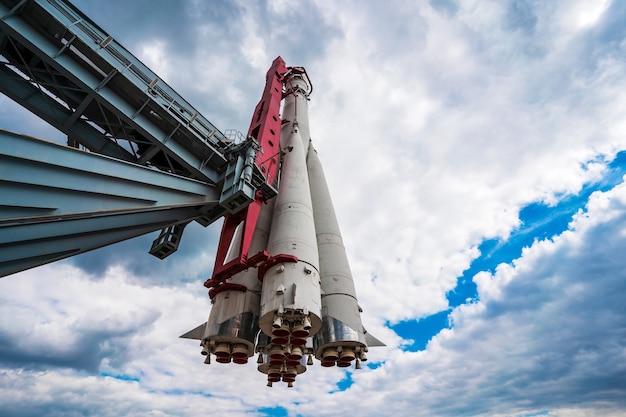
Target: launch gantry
[[140, 158]]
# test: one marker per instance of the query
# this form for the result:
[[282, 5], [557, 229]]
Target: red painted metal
[[218, 279], [273, 261], [265, 128], [301, 71], [226, 286]]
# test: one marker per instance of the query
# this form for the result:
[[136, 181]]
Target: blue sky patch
[[421, 331], [121, 377], [539, 221], [346, 382], [372, 365], [274, 411]]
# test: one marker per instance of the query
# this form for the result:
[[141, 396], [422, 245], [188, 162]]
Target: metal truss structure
[[139, 157]]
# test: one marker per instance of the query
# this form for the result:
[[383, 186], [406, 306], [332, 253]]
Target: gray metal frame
[[126, 121]]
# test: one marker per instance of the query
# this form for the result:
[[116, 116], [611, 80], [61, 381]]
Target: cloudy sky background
[[473, 152]]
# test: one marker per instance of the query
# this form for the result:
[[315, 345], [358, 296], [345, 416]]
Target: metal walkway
[[61, 66]]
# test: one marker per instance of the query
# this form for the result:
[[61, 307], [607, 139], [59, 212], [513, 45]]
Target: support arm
[[58, 201]]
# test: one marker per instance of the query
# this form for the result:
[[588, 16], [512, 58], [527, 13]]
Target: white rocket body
[[342, 337], [302, 298], [291, 290], [232, 326]]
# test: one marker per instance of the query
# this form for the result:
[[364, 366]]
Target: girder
[[57, 201], [61, 66], [44, 106], [154, 161]]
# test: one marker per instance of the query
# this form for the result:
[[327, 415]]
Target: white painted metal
[[340, 310], [234, 315], [291, 290], [296, 106]]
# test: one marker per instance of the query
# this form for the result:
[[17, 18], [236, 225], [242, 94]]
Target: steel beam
[[56, 114], [55, 48], [57, 201]]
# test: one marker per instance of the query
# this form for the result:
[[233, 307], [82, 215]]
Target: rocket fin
[[372, 341], [196, 333]]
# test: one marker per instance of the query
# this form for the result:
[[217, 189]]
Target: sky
[[475, 151]]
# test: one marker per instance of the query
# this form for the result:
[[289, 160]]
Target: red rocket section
[[265, 128]]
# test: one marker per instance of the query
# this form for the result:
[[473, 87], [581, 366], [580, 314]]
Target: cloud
[[546, 333], [73, 323], [15, 118], [450, 135], [436, 122], [190, 263]]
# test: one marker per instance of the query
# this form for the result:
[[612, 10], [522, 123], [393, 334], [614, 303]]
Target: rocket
[[291, 296]]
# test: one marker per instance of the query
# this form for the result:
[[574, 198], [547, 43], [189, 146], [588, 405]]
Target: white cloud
[[546, 333], [586, 14], [448, 130], [154, 55], [435, 123]]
